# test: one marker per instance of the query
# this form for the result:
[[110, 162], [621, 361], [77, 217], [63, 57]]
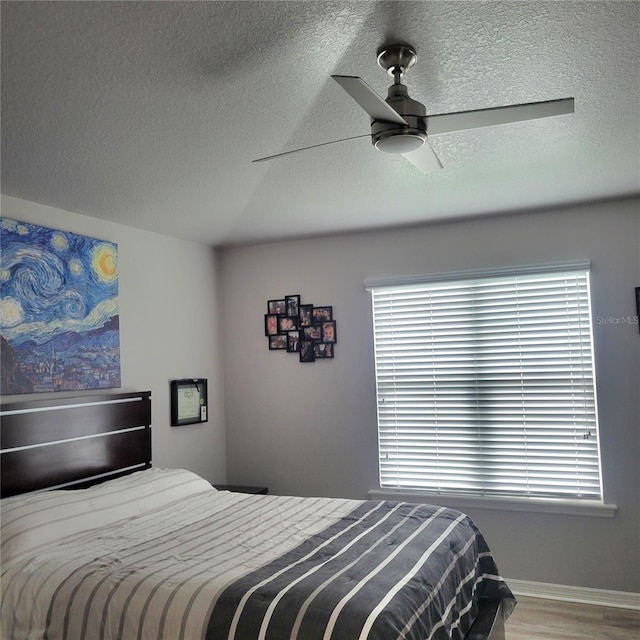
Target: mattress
[[162, 554]]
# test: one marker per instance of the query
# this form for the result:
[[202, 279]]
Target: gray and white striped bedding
[[161, 554]]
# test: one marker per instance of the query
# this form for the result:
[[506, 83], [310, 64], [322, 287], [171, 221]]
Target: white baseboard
[[583, 595]]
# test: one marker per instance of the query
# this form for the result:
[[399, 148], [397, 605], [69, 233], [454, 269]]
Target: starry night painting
[[59, 317]]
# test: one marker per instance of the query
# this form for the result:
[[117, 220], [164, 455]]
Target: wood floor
[[537, 619]]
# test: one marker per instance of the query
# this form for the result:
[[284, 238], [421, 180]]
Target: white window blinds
[[485, 385]]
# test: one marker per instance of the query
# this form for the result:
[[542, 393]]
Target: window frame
[[576, 504]]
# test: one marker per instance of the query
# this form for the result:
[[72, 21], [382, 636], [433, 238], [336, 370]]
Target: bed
[[137, 552]]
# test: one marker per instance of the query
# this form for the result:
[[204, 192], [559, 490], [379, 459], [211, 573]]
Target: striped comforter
[[160, 554]]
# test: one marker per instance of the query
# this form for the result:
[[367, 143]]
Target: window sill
[[533, 505]]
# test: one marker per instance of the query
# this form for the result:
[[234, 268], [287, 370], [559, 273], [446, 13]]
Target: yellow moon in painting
[[104, 261]]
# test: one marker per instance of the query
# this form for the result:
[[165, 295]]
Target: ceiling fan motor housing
[[392, 137]]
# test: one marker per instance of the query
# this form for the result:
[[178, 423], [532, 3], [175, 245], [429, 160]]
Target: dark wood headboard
[[73, 442]]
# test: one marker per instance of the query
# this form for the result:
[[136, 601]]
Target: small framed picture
[[323, 350], [307, 354], [188, 401], [293, 305], [278, 341], [306, 315], [312, 333], [329, 331], [277, 307], [293, 341], [287, 323], [322, 314], [270, 324]]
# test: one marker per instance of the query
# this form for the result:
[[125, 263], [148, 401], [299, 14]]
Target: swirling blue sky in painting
[[59, 316], [54, 281]]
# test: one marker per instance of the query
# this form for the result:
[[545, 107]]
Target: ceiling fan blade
[[449, 122], [424, 158], [368, 99], [313, 146]]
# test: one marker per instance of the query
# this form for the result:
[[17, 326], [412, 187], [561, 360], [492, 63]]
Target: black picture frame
[[638, 307], [307, 353], [277, 307], [189, 404], [292, 305], [323, 350], [312, 333], [287, 323], [271, 324], [278, 342], [322, 314], [329, 332], [293, 341], [306, 315]]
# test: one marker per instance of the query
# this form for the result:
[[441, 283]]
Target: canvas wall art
[[59, 315]]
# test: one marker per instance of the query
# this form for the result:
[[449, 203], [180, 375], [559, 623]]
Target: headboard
[[73, 442]]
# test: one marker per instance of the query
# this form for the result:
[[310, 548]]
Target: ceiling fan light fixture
[[401, 142]]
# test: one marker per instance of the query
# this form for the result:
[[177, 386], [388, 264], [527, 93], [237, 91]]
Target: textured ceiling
[[149, 113]]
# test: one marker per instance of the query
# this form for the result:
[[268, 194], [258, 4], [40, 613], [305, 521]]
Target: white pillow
[[33, 521]]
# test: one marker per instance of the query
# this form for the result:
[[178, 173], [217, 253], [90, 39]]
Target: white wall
[[168, 295], [311, 428]]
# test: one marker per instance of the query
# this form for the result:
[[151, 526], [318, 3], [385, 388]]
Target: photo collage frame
[[305, 329]]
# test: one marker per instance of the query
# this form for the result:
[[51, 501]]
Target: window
[[485, 383]]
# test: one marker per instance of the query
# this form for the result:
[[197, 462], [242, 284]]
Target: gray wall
[[168, 295], [310, 429]]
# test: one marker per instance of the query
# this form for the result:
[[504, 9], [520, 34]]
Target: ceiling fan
[[401, 125]]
